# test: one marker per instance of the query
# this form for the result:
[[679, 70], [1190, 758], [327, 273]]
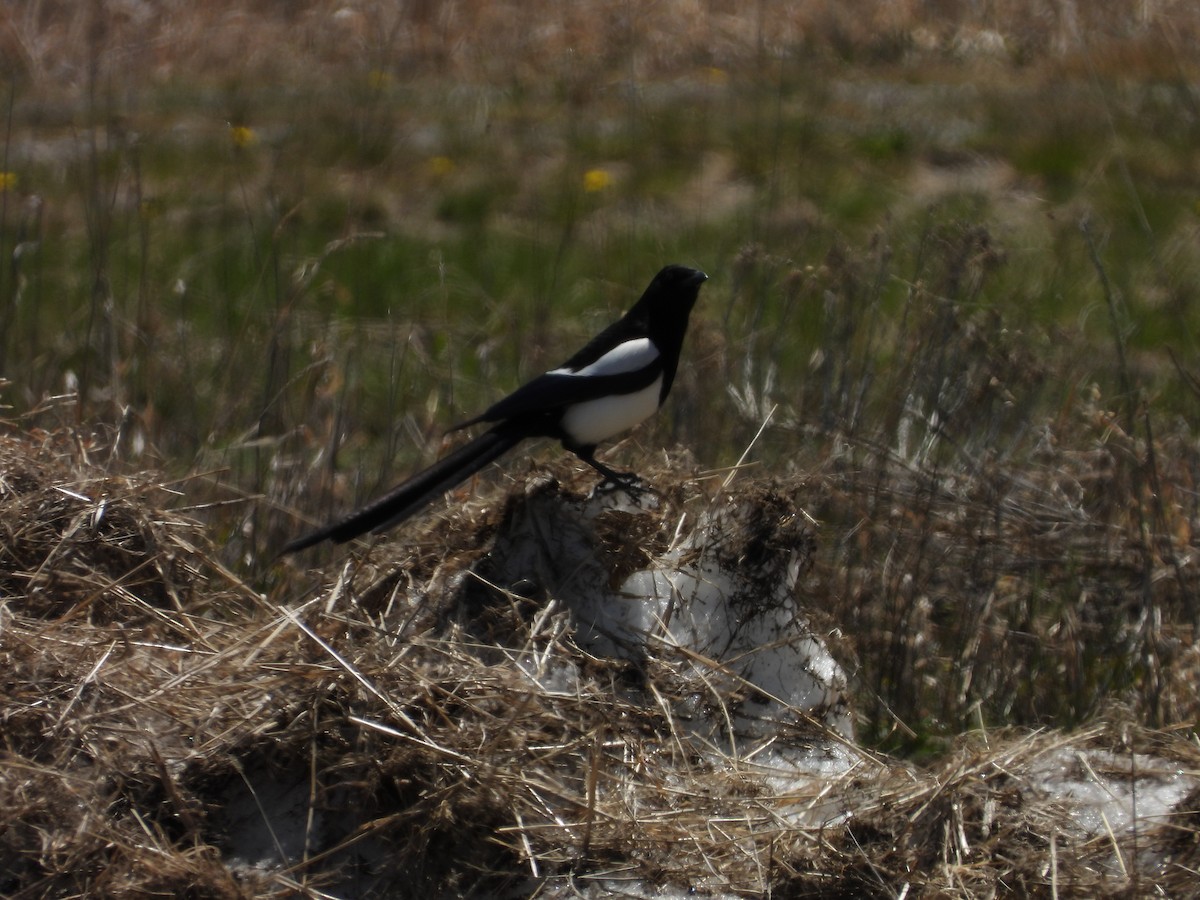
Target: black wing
[[553, 391]]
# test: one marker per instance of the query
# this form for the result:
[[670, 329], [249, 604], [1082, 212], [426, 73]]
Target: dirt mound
[[438, 718]]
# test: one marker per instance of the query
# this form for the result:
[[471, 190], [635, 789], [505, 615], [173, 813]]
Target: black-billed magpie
[[619, 379]]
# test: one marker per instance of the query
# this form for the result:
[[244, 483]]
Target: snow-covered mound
[[713, 592]]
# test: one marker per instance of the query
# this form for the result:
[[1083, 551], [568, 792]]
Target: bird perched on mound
[[618, 380]]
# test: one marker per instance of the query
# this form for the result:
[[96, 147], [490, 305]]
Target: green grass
[[210, 252]]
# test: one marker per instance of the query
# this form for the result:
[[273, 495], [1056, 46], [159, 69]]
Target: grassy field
[[272, 252], [288, 249]]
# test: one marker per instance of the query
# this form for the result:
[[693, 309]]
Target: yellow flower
[[8, 181], [441, 166], [242, 136], [715, 75], [379, 80], [150, 208], [596, 180]]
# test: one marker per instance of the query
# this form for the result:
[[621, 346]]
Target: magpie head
[[674, 290], [666, 305], [680, 279]]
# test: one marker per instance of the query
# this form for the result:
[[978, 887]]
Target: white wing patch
[[625, 357]]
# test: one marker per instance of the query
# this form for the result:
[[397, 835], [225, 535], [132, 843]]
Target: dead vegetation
[[995, 542], [50, 42], [1005, 542], [412, 729]]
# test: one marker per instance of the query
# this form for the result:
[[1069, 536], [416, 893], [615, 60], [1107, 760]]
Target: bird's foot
[[628, 482]]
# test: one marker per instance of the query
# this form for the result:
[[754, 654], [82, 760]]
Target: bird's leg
[[629, 482]]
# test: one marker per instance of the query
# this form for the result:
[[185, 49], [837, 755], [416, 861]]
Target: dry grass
[[997, 539], [1002, 579], [50, 42], [409, 730]]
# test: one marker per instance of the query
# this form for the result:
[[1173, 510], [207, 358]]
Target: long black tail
[[406, 499]]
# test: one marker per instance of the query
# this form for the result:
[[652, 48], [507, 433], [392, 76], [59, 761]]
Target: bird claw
[[628, 482]]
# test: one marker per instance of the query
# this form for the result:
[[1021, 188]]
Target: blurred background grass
[[288, 244]]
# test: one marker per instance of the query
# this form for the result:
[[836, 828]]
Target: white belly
[[598, 420]]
